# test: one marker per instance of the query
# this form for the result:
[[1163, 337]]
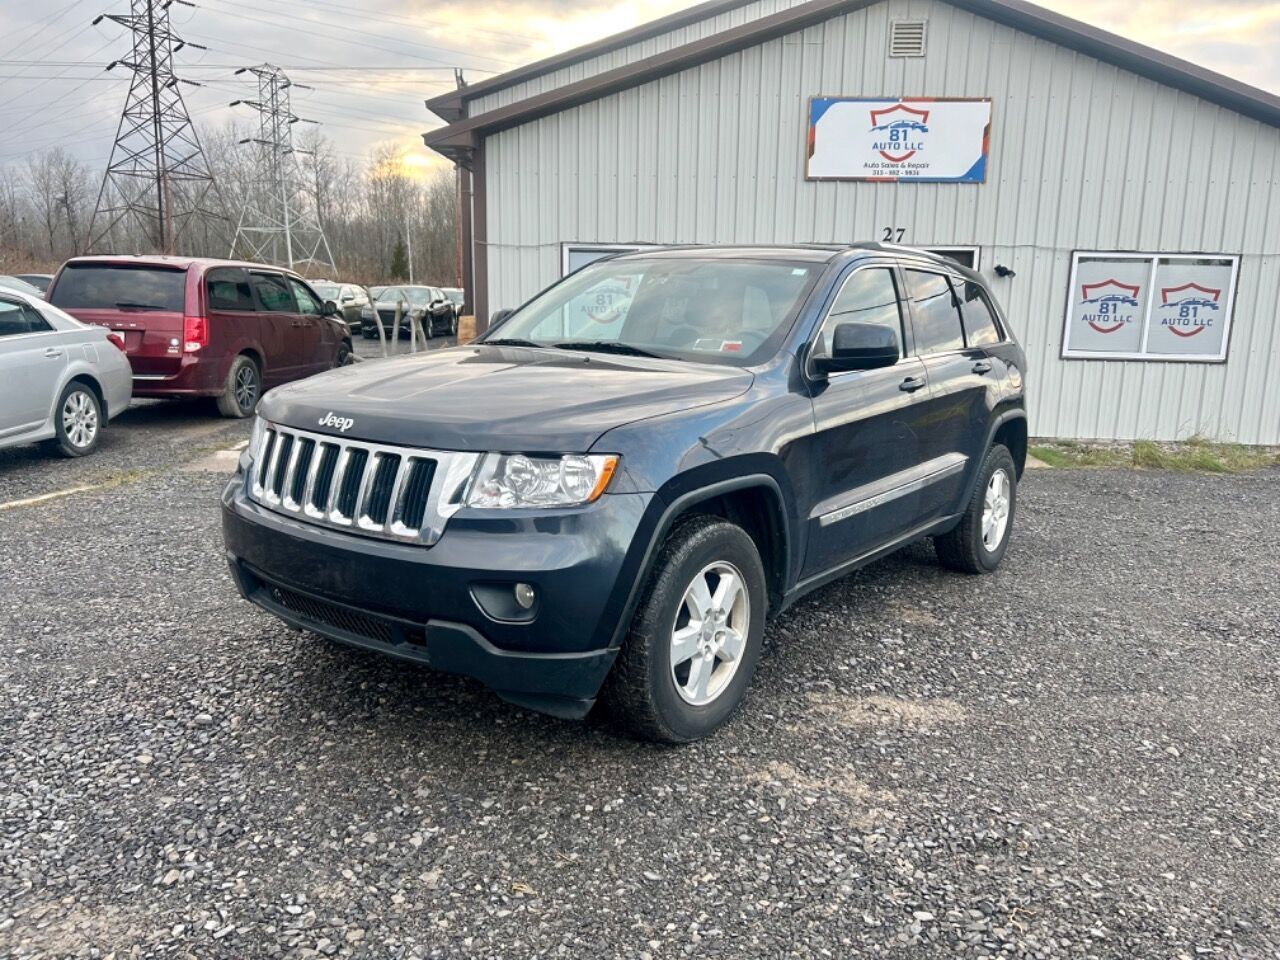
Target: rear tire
[[981, 538], [78, 421], [679, 677], [368, 332], [240, 394], [345, 356]]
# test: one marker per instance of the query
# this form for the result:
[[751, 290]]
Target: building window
[[1150, 306], [965, 256], [575, 256]]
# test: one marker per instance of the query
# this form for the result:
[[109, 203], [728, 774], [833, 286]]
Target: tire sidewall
[[998, 459], [64, 441], [232, 374], [720, 543]]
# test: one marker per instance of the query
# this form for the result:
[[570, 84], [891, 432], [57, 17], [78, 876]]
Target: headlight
[[255, 440], [514, 480]]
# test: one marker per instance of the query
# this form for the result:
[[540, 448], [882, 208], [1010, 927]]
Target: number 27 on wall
[[893, 234]]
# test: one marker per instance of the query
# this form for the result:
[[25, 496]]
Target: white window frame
[[1229, 308], [957, 248], [611, 248]]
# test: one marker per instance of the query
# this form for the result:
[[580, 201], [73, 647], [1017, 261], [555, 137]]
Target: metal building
[[1126, 203]]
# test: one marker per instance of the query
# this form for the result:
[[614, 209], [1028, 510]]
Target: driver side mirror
[[330, 309], [498, 317], [859, 346]]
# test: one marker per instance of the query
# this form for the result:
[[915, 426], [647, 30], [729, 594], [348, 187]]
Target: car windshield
[[111, 286], [329, 291], [721, 311], [376, 292], [418, 295], [454, 295]]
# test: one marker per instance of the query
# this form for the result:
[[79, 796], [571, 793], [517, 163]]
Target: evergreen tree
[[399, 261]]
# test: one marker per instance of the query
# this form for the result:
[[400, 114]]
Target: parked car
[[40, 281], [614, 486], [206, 328], [348, 299], [427, 304], [60, 380], [457, 297], [22, 286], [367, 329]]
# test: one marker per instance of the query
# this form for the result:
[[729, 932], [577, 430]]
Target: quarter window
[[229, 290], [868, 296], [18, 318], [979, 320], [935, 319]]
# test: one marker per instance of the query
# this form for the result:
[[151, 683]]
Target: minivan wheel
[[345, 356], [696, 637], [77, 421], [240, 394], [979, 542]]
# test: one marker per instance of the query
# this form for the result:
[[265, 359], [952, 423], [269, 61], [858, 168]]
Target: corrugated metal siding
[[1083, 156], [623, 56]]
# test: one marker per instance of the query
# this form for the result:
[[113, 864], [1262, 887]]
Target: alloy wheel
[[995, 511], [80, 419], [710, 633], [246, 386]]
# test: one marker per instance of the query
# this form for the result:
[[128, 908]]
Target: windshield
[[328, 291], [722, 311], [113, 286], [418, 295], [454, 295]]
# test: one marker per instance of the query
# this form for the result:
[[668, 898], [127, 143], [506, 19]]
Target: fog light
[[525, 596]]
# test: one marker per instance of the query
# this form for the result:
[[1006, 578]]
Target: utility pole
[[158, 176], [408, 242], [276, 213]]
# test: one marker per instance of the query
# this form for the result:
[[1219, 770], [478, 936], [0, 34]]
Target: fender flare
[[666, 521], [997, 421]]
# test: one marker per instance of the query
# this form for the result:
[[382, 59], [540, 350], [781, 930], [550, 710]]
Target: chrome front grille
[[398, 493]]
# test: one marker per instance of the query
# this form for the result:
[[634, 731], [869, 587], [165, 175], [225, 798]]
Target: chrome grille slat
[[360, 487]]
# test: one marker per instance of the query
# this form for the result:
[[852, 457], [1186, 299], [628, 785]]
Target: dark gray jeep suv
[[610, 491]]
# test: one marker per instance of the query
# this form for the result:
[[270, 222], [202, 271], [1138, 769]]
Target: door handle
[[982, 366], [912, 384], [52, 353]]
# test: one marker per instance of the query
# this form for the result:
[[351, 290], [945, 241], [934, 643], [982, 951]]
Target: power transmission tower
[[158, 176], [276, 223]]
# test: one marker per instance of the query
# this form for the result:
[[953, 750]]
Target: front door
[[31, 365], [868, 445], [317, 346]]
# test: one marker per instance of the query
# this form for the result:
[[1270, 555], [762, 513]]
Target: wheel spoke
[[698, 598], [699, 678], [684, 643], [727, 591], [734, 643]]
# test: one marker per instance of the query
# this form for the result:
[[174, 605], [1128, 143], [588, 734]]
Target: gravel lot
[[1075, 757]]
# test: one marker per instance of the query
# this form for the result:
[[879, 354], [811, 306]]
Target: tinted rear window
[[109, 286]]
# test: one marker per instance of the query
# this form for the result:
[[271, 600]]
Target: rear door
[[144, 303], [279, 324], [317, 344], [31, 365], [871, 427], [233, 315], [958, 377]]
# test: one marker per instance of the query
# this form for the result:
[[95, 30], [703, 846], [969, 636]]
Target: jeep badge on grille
[[341, 424]]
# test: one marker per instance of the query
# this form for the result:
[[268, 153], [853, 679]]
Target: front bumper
[[424, 603]]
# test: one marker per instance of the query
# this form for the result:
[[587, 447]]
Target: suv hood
[[513, 399]]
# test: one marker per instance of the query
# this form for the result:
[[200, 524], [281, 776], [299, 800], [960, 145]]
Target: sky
[[371, 63]]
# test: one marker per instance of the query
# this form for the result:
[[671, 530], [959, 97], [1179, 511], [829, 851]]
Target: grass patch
[[1195, 454]]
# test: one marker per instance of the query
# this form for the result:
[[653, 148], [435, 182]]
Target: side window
[[936, 320], [868, 296], [306, 302], [13, 319], [36, 323], [229, 290], [272, 293], [979, 319]]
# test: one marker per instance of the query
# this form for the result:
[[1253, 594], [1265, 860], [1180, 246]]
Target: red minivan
[[206, 328]]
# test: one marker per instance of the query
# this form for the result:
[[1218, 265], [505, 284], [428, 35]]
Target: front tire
[[345, 357], [240, 394], [696, 636], [981, 538], [77, 421]]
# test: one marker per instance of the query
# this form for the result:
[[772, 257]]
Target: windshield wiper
[[130, 305], [607, 346], [508, 342]]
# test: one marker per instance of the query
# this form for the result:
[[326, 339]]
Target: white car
[[60, 380]]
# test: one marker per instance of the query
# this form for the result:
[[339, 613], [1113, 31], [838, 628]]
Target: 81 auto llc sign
[[926, 140]]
